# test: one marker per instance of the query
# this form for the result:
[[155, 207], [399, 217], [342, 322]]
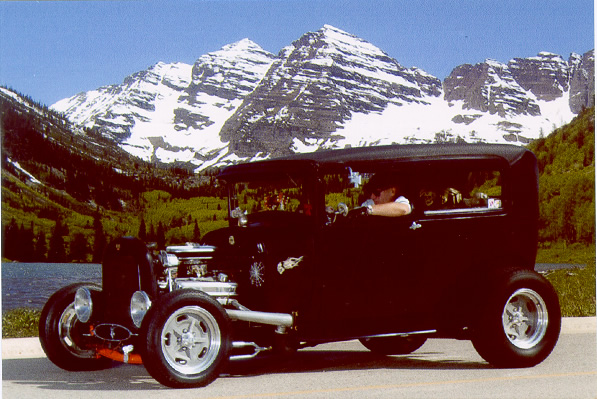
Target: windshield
[[284, 193], [345, 187]]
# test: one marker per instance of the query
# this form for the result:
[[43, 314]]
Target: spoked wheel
[[525, 318], [188, 340], [61, 333], [191, 340], [520, 325]]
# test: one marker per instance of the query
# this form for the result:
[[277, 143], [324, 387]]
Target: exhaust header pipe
[[274, 319]]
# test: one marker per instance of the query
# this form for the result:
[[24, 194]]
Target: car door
[[368, 274], [461, 219]]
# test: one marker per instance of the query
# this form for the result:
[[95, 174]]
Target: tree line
[[566, 162], [25, 243]]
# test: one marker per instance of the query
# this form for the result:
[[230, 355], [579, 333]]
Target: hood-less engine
[[190, 266]]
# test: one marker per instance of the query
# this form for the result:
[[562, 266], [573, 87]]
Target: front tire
[[521, 323], [188, 339], [61, 333]]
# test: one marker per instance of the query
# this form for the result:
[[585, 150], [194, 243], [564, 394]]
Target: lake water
[[30, 285]]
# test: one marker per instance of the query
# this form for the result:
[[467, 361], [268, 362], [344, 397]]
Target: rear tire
[[60, 332], [394, 345], [520, 324], [188, 339]]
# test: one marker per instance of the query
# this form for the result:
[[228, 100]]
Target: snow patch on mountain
[[328, 89]]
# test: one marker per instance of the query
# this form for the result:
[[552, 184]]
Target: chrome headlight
[[140, 304], [83, 304]]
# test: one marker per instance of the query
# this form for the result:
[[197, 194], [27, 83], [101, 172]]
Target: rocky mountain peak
[[582, 81], [488, 87], [242, 46], [231, 72], [327, 89], [546, 75], [314, 88]]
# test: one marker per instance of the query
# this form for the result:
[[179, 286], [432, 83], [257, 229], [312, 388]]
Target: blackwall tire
[[188, 339], [520, 325], [60, 332], [394, 345]]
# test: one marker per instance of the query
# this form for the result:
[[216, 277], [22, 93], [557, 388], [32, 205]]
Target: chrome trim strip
[[403, 334]]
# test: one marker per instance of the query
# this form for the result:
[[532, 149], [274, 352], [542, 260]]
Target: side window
[[461, 191], [284, 194]]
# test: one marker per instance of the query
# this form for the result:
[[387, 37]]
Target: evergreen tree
[[161, 237], [99, 239], [142, 230], [79, 248], [26, 244], [196, 232], [41, 247], [57, 251], [151, 237], [10, 238]]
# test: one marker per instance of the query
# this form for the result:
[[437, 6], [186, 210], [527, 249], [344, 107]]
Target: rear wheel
[[61, 333], [394, 345], [188, 339], [520, 325]]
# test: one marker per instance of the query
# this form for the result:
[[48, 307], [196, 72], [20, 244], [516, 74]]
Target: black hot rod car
[[303, 263]]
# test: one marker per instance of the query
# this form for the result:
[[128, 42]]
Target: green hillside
[[566, 160], [67, 191]]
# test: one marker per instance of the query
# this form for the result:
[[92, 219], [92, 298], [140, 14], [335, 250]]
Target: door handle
[[415, 226]]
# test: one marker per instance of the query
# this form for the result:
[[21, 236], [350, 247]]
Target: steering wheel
[[332, 213], [342, 209]]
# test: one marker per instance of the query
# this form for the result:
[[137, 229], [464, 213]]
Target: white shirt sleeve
[[403, 200], [368, 202]]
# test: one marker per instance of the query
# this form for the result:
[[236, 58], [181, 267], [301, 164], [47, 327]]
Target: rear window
[[459, 191]]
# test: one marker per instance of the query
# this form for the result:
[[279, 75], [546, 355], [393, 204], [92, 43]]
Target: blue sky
[[53, 50]]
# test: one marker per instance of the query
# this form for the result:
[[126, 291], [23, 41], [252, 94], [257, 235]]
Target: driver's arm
[[391, 209]]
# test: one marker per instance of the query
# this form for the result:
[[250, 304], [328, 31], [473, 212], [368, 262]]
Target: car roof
[[410, 151], [299, 162]]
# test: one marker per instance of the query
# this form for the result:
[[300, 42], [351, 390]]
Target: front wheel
[[188, 339], [62, 335], [521, 323]]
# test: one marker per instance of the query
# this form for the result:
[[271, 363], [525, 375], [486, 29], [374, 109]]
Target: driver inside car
[[384, 198]]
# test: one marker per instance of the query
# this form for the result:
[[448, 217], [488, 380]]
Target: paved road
[[440, 369]]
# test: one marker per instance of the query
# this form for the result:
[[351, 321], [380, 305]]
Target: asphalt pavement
[[442, 368]]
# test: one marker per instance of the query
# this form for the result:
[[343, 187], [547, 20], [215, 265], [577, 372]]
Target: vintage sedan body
[[304, 263]]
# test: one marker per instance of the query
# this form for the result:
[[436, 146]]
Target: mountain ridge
[[328, 89]]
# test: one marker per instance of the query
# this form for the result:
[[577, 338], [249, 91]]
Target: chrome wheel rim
[[191, 340], [66, 325], [525, 318]]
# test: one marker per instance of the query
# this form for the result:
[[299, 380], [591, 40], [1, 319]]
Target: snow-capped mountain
[[172, 113], [328, 89], [308, 97]]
